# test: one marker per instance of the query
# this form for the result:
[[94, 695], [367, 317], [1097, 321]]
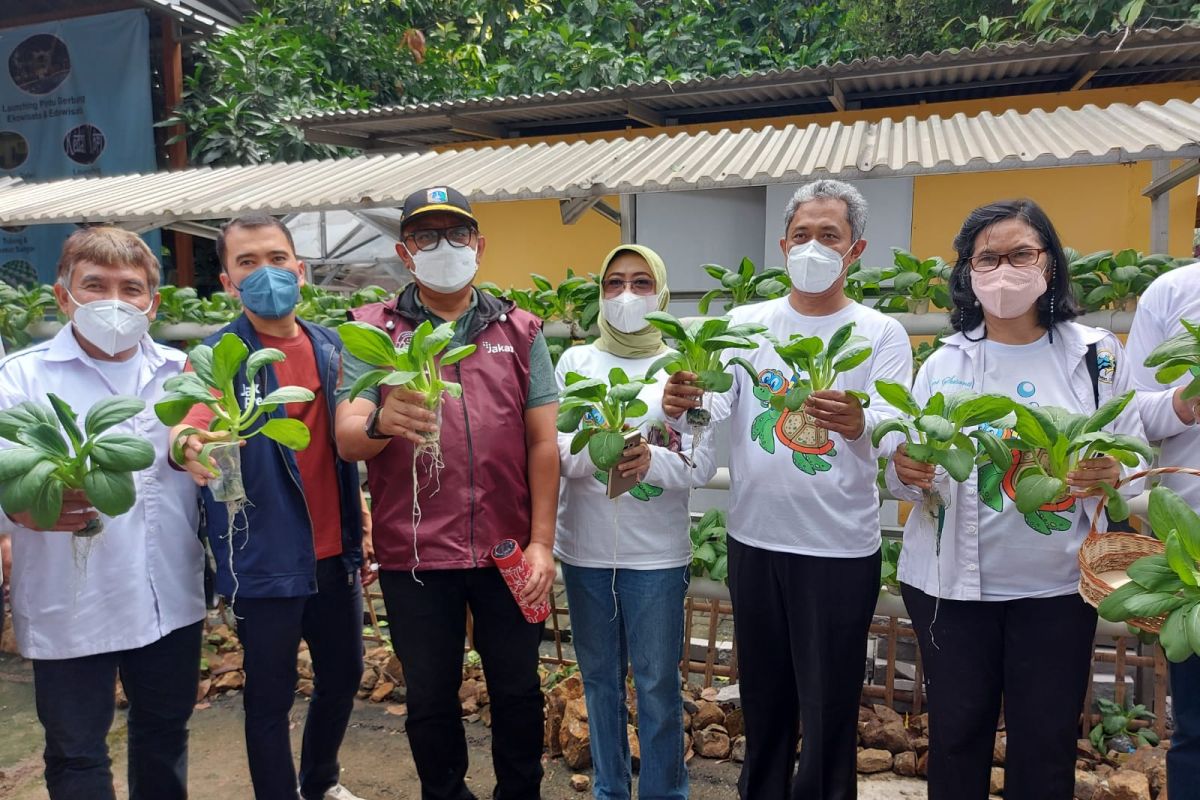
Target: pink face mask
[[1008, 292]]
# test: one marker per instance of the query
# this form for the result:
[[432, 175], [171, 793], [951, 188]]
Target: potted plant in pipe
[[698, 348], [212, 383], [53, 455], [417, 366]]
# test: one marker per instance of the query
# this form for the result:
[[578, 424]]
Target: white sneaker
[[339, 792]]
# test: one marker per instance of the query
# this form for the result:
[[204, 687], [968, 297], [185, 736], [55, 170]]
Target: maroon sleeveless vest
[[482, 493]]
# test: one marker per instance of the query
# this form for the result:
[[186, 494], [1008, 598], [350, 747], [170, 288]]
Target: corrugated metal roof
[[1091, 135], [1144, 56], [203, 15]]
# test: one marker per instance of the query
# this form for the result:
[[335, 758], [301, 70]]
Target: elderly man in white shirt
[[131, 599]]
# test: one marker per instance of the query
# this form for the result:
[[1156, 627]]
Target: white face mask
[[813, 267], [627, 311], [112, 325], [445, 269]]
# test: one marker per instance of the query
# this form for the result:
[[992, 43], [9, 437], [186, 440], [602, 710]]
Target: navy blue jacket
[[273, 553]]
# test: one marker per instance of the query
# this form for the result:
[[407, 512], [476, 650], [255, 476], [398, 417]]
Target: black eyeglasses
[[640, 285], [428, 238], [1025, 257]]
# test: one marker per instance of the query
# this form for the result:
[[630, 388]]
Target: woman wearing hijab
[[625, 561], [997, 611]]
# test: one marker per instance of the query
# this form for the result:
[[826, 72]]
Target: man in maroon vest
[[499, 481]]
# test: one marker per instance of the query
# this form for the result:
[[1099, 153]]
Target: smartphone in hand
[[618, 485]]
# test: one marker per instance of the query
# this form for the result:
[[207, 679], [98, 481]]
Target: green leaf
[[201, 359], [1107, 413], [260, 358], [434, 343], [111, 411], [288, 394], [937, 428], [1152, 604], [1168, 512], [17, 495], [715, 381], [1177, 557], [111, 492], [997, 451], [1191, 625], [67, 418], [456, 354], [1154, 574], [1034, 427], [570, 417], [368, 380], [976, 410], [16, 461], [898, 397], [172, 409], [892, 425], [1174, 637], [228, 356], [669, 325], [46, 438], [291, 433], [581, 438], [958, 462], [368, 344], [853, 356], [47, 504], [1114, 607], [664, 362], [636, 408], [1036, 490], [123, 453], [605, 449], [1118, 506]]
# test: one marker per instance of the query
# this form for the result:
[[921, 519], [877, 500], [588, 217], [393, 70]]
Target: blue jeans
[[76, 705], [270, 629], [1183, 759], [642, 626]]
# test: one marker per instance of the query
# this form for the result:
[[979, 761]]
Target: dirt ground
[[375, 757]]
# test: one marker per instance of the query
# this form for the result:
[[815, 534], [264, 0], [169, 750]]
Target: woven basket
[[1106, 552]]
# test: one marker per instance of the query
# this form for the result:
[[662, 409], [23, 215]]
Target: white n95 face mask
[[112, 325], [445, 268], [813, 267], [627, 311]]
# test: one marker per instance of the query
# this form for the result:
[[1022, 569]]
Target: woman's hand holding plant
[[912, 472]]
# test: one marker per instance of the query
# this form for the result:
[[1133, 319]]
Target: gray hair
[[829, 189]]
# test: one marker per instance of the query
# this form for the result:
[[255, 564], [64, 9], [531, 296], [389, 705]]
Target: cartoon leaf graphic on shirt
[[644, 491], [811, 464], [762, 430], [1046, 522], [990, 478]]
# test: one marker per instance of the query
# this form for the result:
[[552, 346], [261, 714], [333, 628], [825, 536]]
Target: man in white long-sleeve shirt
[[129, 600], [803, 517], [1170, 419]]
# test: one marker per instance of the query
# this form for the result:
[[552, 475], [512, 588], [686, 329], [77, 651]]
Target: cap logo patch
[[437, 195]]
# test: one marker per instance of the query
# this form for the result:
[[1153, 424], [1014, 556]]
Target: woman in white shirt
[[997, 612], [625, 561]]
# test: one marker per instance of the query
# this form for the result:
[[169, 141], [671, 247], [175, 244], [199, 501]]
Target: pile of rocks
[[1140, 775]]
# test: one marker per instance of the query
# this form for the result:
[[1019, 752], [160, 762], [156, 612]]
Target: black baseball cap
[[436, 198]]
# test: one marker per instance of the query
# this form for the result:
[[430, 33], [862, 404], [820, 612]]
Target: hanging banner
[[74, 102]]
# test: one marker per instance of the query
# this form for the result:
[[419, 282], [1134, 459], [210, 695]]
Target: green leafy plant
[[575, 301], [20, 307], [889, 566], [1057, 440], [329, 308], [915, 283], [816, 365], [1166, 583], [1114, 280], [54, 454], [1117, 729], [710, 550], [212, 384], [744, 285], [1178, 356], [934, 432], [698, 349], [613, 404]]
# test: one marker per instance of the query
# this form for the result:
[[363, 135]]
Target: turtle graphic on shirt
[[795, 430], [995, 485]]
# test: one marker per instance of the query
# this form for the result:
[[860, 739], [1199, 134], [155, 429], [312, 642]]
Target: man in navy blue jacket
[[294, 569]]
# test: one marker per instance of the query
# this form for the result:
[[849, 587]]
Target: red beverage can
[[510, 560]]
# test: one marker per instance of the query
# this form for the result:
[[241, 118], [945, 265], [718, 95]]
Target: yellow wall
[[529, 236], [1093, 208]]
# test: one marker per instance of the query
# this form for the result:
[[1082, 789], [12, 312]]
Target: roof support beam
[[1167, 179], [318, 136], [1160, 205], [1087, 68], [572, 210], [643, 114], [477, 127], [836, 98]]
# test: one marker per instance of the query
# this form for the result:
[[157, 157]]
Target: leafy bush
[[710, 551]]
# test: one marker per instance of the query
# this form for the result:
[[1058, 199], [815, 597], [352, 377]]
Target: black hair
[[1058, 304], [251, 221]]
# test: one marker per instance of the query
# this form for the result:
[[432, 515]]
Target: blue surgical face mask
[[270, 292]]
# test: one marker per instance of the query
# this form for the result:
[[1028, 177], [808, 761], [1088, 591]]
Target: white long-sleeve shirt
[[142, 576], [647, 527], [1170, 298], [1031, 562], [787, 495]]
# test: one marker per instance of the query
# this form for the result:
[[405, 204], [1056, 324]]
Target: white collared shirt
[[1048, 565], [142, 576]]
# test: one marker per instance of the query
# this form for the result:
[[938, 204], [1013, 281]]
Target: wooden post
[[177, 157]]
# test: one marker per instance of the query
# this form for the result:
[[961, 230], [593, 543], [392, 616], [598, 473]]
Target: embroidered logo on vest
[[498, 348]]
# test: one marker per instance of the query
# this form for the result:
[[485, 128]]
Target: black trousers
[[427, 621], [270, 630], [76, 705], [1035, 656], [800, 624]]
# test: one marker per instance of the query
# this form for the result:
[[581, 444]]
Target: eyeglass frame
[[604, 286], [472, 230], [1002, 258]]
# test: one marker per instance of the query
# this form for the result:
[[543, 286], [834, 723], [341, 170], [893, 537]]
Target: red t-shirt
[[318, 468]]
